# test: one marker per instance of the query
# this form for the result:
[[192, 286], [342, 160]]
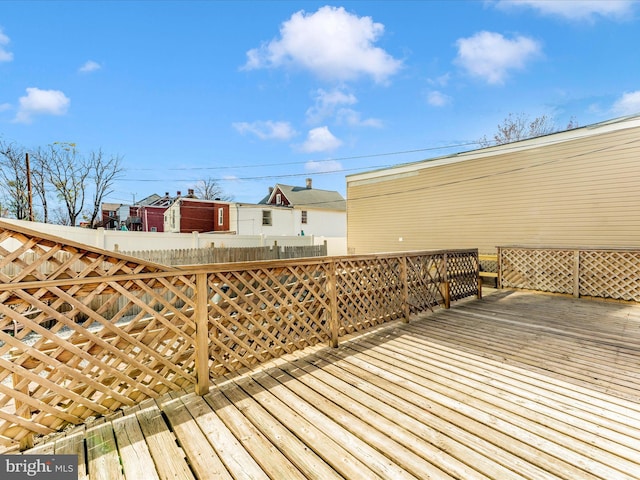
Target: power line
[[261, 177], [337, 159]]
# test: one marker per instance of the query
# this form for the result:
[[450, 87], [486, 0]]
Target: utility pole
[[29, 188]]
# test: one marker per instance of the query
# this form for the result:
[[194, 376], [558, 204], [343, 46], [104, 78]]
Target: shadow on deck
[[518, 385]]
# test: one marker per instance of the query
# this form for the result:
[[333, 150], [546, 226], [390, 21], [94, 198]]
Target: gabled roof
[[150, 200], [307, 197], [110, 207]]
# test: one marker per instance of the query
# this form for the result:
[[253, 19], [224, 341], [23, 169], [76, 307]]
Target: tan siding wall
[[583, 192]]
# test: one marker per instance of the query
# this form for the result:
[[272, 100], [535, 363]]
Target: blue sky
[[254, 93]]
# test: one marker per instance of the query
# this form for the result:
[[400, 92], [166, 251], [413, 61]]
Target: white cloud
[[347, 116], [491, 56], [628, 104], [587, 10], [326, 104], [331, 43], [5, 106], [320, 140], [5, 56], [268, 130], [331, 104], [89, 66], [323, 166], [438, 99], [41, 102], [441, 81]]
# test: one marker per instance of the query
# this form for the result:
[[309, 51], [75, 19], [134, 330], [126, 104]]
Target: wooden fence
[[581, 272], [63, 360], [201, 256]]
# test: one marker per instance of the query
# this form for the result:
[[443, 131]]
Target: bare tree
[[103, 173], [209, 189], [39, 179], [68, 173], [14, 179], [60, 216], [520, 127]]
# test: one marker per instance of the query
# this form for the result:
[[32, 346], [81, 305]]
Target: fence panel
[[262, 313], [204, 256], [593, 272]]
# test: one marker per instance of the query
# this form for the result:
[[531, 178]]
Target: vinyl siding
[[581, 192]]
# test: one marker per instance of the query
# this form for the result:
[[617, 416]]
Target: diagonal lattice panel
[[538, 269], [259, 314], [462, 274], [424, 277], [83, 363], [610, 274], [369, 292]]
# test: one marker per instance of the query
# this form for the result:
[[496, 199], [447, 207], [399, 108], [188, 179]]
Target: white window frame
[[278, 199], [267, 220], [304, 217], [221, 216]]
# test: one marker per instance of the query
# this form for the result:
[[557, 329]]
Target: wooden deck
[[517, 385]]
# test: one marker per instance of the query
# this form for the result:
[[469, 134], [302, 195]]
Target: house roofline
[[407, 169]]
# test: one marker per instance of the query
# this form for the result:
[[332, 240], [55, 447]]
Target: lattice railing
[[97, 330], [425, 280], [261, 313], [593, 272]]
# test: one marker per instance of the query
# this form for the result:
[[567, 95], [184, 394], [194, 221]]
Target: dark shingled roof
[[308, 197]]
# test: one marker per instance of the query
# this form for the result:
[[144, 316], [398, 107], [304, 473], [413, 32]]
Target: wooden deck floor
[[517, 385]]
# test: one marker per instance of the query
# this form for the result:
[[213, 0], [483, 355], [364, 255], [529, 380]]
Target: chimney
[[190, 193], [178, 193], [309, 183], [166, 194]]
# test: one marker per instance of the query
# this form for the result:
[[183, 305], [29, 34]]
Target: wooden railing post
[[404, 281], [202, 334], [499, 280], [446, 294], [27, 441], [332, 295], [479, 277], [576, 273]]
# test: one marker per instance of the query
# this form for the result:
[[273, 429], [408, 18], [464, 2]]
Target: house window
[[266, 217], [221, 216], [304, 216], [154, 229], [278, 199]]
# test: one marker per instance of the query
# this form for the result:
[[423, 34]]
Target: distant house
[[186, 215], [294, 210], [152, 210], [110, 216], [579, 187], [147, 215]]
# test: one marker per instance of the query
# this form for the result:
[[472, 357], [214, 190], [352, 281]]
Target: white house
[[291, 210]]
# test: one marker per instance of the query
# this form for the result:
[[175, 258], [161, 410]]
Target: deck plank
[[202, 457], [168, 457], [299, 453], [267, 455], [72, 443], [236, 459], [134, 453], [102, 453]]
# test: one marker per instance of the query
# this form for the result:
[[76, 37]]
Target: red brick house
[[188, 215]]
